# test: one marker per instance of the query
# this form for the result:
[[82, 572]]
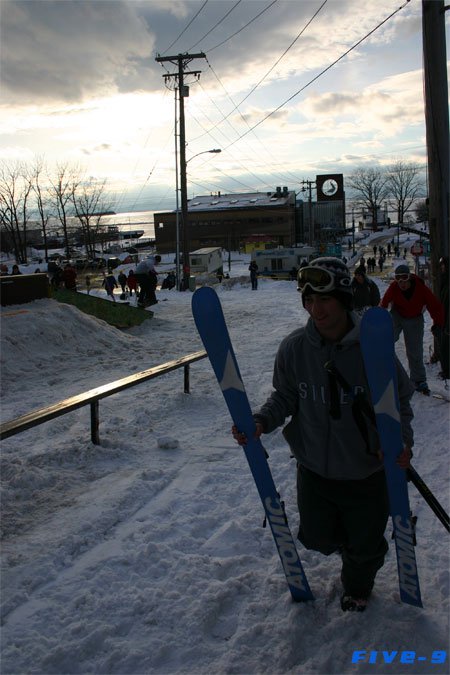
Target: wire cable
[[236, 106], [243, 27], [215, 26], [185, 29], [279, 59], [322, 72]]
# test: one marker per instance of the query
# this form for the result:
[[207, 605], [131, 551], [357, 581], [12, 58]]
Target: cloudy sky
[[80, 85]]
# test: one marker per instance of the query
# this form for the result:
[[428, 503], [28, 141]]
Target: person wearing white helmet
[[147, 278], [341, 485]]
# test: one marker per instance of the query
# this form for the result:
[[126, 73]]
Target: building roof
[[219, 201], [205, 251]]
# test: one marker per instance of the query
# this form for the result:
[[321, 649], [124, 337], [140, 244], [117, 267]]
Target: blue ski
[[377, 345], [210, 322]]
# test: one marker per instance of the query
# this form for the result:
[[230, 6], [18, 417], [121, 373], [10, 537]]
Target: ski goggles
[[320, 280], [401, 277]]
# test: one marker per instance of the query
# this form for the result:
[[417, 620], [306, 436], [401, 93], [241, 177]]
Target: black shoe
[[351, 604], [423, 388]]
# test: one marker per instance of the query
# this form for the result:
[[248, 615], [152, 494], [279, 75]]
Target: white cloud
[[70, 50], [94, 93]]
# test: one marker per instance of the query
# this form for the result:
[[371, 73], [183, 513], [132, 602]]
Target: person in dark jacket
[[253, 269], [147, 278], [69, 276], [109, 283], [122, 279], [342, 493], [407, 298], [365, 291], [132, 282]]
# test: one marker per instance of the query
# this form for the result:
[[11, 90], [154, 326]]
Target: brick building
[[228, 220]]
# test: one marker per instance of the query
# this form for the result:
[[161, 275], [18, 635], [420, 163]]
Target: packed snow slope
[[146, 553]]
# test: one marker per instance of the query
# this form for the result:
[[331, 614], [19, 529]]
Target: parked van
[[281, 262], [206, 260]]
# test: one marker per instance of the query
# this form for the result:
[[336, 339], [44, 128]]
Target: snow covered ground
[[146, 554]]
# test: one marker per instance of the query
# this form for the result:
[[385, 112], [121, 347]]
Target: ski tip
[[204, 300], [374, 313], [202, 293]]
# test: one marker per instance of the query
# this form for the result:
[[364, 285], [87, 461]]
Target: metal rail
[[93, 396]]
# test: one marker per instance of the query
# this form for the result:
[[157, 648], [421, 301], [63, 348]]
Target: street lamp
[[184, 213], [214, 151]]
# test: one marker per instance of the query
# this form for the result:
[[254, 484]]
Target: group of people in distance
[[143, 281], [341, 485]]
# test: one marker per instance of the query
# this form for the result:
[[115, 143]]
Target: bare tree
[[370, 188], [405, 186], [63, 187], [89, 200], [422, 211], [15, 189], [42, 198]]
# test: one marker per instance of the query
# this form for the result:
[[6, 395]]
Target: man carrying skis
[[320, 383]]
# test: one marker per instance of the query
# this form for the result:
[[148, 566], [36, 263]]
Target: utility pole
[[309, 184], [437, 129], [353, 231], [181, 61]]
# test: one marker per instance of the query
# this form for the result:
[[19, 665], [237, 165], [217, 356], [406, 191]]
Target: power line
[[225, 118], [321, 73], [185, 29], [279, 59], [217, 24], [251, 129], [236, 106], [243, 27]]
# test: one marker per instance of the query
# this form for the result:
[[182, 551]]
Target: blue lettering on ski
[[231, 379], [387, 404], [406, 557], [288, 552]]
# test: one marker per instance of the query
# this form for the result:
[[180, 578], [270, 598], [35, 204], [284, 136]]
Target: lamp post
[[184, 211]]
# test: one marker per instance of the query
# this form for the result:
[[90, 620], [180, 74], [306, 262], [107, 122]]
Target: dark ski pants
[[349, 516], [147, 289]]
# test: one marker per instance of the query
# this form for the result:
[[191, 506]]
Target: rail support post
[[95, 438], [186, 379]]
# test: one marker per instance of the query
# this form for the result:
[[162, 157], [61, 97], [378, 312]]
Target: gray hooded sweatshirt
[[332, 448]]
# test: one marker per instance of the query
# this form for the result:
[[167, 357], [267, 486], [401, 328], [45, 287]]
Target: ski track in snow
[[147, 554]]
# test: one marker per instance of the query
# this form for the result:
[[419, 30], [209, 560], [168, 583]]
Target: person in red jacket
[[69, 277], [408, 297]]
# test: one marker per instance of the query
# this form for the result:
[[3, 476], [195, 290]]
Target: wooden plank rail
[[93, 396]]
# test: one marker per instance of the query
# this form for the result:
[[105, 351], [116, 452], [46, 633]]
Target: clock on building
[[330, 187]]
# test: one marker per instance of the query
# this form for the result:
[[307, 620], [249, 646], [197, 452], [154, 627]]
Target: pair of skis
[[213, 330], [377, 346]]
